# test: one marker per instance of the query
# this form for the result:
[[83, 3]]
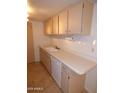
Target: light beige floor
[[39, 81]]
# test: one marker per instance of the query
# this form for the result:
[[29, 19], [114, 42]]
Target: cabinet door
[[45, 59], [76, 83], [56, 70], [63, 22], [48, 63], [55, 25], [74, 19], [58, 73], [48, 26], [87, 17], [64, 80], [71, 81], [42, 56]]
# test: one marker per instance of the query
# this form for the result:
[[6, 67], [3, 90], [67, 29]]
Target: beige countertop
[[78, 64]]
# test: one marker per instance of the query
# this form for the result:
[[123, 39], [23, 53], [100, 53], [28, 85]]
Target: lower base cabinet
[[67, 79], [70, 81], [45, 59]]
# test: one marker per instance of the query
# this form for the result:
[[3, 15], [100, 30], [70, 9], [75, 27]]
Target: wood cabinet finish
[[48, 26], [63, 22], [55, 21], [70, 81], [87, 17], [75, 19]]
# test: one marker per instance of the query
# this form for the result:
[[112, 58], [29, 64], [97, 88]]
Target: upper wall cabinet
[[63, 23], [74, 19], [48, 26], [87, 17], [55, 25]]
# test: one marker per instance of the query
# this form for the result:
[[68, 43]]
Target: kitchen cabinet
[[70, 20], [48, 26], [87, 17], [63, 22], [56, 70], [75, 19], [70, 81], [45, 59], [66, 78], [55, 25], [80, 18]]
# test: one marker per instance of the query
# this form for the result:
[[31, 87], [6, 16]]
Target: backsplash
[[82, 46]]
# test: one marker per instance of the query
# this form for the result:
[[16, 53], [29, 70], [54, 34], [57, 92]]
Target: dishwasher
[[56, 70]]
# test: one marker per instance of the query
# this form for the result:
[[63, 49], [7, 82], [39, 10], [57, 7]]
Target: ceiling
[[42, 9]]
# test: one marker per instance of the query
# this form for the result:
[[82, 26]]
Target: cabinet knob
[[83, 5]]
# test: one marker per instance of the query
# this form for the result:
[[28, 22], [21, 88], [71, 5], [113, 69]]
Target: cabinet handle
[[83, 5], [63, 67], [68, 77]]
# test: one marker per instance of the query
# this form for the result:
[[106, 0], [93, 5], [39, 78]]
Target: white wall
[[39, 38], [82, 46]]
